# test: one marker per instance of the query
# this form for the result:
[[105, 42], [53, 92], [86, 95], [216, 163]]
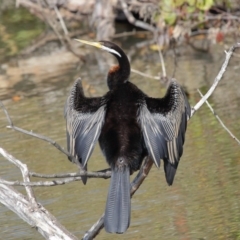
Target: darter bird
[[129, 126]]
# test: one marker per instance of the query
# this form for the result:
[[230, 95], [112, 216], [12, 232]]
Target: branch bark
[[28, 209], [45, 223], [217, 79]]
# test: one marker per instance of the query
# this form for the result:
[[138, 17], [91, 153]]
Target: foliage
[[172, 9], [17, 29]]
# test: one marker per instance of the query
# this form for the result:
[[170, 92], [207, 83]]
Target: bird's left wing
[[163, 122], [84, 121]]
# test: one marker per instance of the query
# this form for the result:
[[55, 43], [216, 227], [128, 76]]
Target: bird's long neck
[[119, 74]]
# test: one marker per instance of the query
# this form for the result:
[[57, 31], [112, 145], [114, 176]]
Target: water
[[203, 202]]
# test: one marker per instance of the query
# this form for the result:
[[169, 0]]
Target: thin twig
[[136, 183], [61, 21], [126, 34], [99, 174], [217, 79], [39, 136], [44, 39], [70, 177], [56, 182], [144, 74], [220, 121], [164, 73], [40, 183], [48, 18], [175, 62]]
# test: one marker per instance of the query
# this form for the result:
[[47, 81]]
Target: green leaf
[[204, 5]]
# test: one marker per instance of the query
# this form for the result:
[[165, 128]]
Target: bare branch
[[142, 174], [220, 121], [70, 177], [164, 73], [45, 38], [99, 174], [39, 136], [61, 20], [45, 223], [24, 170], [126, 34], [132, 19], [175, 62], [56, 182], [144, 74], [217, 79], [41, 183], [95, 229]]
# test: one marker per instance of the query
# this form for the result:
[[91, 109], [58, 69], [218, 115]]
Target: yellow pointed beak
[[95, 44]]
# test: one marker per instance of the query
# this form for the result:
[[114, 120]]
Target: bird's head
[[117, 74]]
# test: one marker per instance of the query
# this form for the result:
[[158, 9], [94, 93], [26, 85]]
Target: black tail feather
[[118, 206], [170, 171], [84, 178]]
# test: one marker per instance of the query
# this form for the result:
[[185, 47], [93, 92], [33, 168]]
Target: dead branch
[[42, 40], [56, 182], [23, 168], [144, 74], [217, 79], [45, 223], [39, 136], [134, 21], [106, 173], [164, 74], [28, 209], [219, 119]]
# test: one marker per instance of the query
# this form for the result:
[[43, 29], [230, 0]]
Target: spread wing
[[163, 122], [84, 121]]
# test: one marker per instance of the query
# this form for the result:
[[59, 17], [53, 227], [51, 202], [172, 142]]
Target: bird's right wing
[[84, 121], [163, 122]]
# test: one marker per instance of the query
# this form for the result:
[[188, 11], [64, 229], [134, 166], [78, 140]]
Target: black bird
[[129, 126]]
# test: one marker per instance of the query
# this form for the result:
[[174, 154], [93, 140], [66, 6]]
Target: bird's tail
[[84, 178], [170, 171], [118, 206]]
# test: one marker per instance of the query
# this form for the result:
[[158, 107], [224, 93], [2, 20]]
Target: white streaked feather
[[167, 125], [111, 50], [80, 123]]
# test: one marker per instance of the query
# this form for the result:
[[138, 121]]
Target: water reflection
[[203, 203]]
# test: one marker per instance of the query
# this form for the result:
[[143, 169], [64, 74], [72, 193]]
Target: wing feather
[[163, 122], [84, 121]]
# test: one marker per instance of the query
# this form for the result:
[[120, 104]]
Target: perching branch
[[55, 182], [106, 173]]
